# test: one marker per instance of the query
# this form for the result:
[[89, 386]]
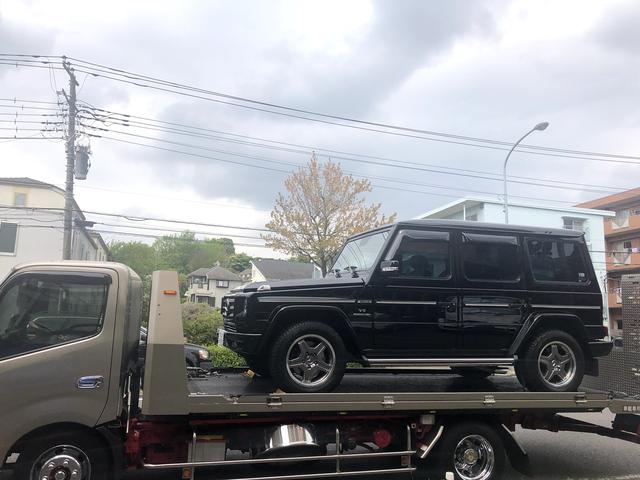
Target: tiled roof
[[221, 273], [201, 272]]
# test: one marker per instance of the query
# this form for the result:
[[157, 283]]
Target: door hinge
[[489, 400], [388, 401], [274, 402], [580, 398]]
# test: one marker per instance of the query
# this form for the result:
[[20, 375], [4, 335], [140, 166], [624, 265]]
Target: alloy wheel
[[311, 360], [556, 364]]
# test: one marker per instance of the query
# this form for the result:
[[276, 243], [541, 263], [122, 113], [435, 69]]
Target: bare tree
[[321, 208]]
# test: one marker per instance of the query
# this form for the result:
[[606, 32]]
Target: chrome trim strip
[[405, 302], [443, 361], [309, 300], [578, 307], [240, 333], [504, 305], [424, 450], [309, 458]]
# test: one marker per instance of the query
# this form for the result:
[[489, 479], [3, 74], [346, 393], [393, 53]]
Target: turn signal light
[[170, 292]]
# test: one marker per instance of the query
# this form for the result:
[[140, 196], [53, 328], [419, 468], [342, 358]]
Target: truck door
[[416, 308], [494, 296], [56, 340]]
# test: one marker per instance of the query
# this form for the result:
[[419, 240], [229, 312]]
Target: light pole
[[541, 126]]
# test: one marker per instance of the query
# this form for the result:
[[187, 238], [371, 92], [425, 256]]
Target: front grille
[[228, 313]]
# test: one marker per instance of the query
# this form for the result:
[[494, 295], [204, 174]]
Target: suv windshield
[[361, 252]]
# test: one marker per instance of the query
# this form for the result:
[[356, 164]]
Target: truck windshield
[[361, 252]]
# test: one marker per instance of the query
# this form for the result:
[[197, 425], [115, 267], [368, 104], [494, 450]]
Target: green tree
[[201, 323], [239, 262], [137, 255]]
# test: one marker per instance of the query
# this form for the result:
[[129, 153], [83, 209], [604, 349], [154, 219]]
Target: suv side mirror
[[389, 267]]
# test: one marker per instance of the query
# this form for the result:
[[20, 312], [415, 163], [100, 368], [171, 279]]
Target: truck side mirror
[[389, 267]]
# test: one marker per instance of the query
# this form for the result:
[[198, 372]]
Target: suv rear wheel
[[308, 357], [552, 362]]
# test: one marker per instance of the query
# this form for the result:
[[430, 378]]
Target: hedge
[[222, 357]]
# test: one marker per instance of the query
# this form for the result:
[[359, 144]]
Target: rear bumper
[[242, 343], [600, 348]]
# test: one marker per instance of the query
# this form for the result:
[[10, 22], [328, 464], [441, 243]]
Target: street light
[[541, 126]]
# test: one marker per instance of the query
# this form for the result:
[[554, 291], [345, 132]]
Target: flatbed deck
[[237, 394]]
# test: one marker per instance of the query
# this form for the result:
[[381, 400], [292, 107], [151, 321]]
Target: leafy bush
[[222, 357], [201, 323]]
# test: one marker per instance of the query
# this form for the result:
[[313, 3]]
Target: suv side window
[[39, 311], [494, 258], [422, 254], [557, 260]]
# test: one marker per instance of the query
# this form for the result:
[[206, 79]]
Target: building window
[[570, 223], [212, 301], [619, 324], [193, 298], [472, 218], [222, 283], [622, 219], [20, 199], [8, 236], [627, 245]]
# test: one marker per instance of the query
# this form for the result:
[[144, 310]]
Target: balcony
[[632, 224], [614, 299], [623, 261]]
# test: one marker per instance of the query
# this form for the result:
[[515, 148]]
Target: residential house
[[269, 269], [245, 275], [32, 226], [622, 246], [588, 220], [209, 285]]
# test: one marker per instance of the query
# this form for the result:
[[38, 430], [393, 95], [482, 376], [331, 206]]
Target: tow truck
[[72, 407]]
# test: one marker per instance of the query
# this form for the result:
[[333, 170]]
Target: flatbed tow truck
[[72, 408]]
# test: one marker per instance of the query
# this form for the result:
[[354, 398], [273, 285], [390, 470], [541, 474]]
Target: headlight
[[203, 354]]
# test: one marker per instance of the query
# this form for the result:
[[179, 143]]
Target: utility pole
[[71, 154]]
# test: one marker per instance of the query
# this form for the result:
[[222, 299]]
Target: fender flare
[[534, 320], [276, 317]]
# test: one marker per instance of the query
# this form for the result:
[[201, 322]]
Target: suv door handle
[[92, 381], [449, 306]]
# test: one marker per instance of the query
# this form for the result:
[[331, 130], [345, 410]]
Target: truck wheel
[[258, 365], [63, 456], [471, 450], [552, 362], [308, 357], [473, 373]]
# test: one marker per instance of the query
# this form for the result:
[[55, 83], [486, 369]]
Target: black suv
[[466, 295]]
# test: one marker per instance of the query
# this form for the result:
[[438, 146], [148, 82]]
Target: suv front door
[[494, 295], [56, 339], [416, 308]]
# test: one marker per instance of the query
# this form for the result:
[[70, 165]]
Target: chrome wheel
[[311, 360], [62, 462], [474, 458], [557, 364]]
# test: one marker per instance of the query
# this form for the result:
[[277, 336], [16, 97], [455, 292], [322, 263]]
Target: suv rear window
[[490, 257], [557, 261]]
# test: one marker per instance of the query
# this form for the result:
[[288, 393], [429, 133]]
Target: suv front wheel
[[552, 362], [308, 357]]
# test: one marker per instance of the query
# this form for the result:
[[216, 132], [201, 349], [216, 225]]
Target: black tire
[[457, 438], [90, 453], [473, 373], [285, 347], [533, 372], [258, 365]]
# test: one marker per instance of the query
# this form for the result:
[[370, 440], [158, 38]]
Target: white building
[[31, 225], [209, 285], [586, 220]]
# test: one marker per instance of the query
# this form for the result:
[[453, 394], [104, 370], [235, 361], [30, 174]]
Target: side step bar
[[442, 362]]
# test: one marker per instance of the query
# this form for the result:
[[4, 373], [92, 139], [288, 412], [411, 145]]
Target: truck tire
[[552, 362], [259, 365], [44, 456], [308, 357], [471, 450]]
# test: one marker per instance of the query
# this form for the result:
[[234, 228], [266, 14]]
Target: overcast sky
[[482, 69]]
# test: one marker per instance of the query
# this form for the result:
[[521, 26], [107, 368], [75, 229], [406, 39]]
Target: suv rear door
[[416, 310], [494, 295]]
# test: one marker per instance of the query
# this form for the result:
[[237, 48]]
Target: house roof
[[273, 269], [615, 200], [221, 273], [457, 205], [201, 272], [100, 240]]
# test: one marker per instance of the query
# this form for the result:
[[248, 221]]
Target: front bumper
[[242, 343], [600, 348]]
